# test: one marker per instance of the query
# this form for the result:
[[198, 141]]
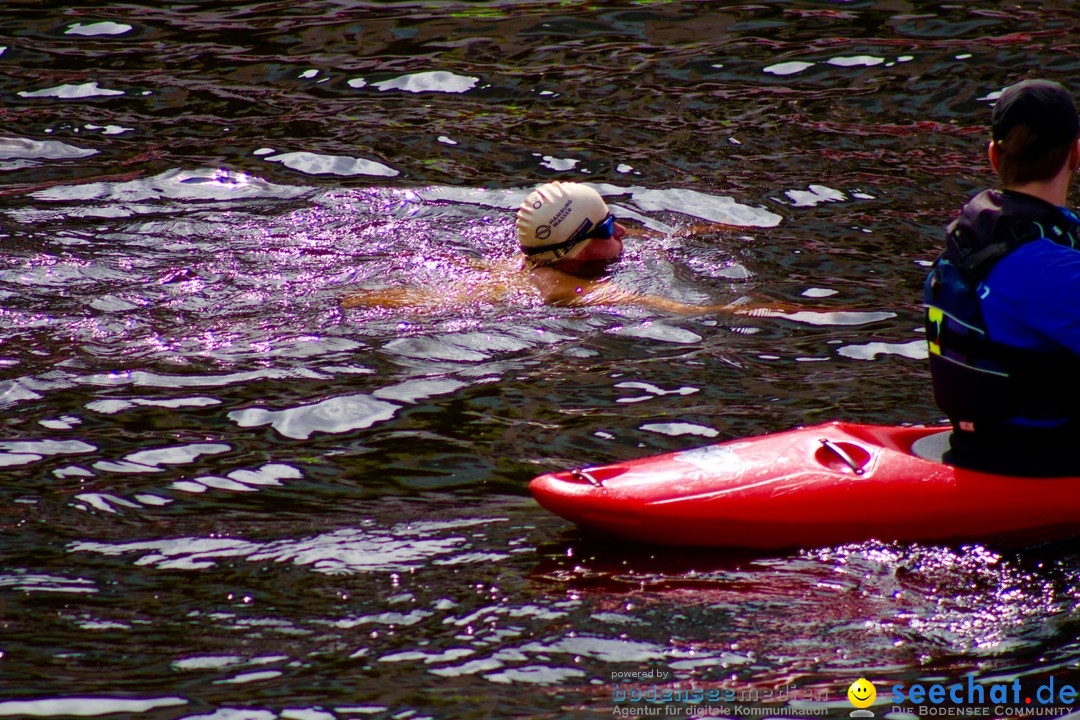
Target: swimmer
[[568, 239]]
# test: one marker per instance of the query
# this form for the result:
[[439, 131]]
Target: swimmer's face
[[603, 248]]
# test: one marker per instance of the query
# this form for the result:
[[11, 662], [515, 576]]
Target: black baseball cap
[[1046, 107]]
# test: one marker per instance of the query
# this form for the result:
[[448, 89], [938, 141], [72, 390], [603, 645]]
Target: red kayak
[[822, 485]]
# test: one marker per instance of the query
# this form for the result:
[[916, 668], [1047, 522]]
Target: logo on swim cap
[[551, 214]]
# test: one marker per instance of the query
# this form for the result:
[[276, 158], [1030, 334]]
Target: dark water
[[225, 497]]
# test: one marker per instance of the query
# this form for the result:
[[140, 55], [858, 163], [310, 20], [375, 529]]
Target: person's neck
[[1054, 190], [584, 269]]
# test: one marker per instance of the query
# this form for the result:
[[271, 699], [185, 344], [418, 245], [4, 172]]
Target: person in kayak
[[1003, 299], [568, 240]]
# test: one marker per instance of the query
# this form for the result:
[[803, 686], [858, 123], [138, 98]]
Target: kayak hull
[[814, 486]]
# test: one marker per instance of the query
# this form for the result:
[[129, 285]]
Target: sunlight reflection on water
[[230, 498]]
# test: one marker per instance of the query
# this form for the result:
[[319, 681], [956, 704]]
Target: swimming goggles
[[602, 230]]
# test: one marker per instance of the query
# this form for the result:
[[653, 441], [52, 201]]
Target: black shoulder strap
[[996, 222]]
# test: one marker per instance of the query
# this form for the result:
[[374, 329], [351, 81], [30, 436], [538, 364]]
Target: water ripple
[[347, 550], [282, 509]]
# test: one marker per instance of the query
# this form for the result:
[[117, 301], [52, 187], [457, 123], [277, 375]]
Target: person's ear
[[993, 154], [1074, 156]]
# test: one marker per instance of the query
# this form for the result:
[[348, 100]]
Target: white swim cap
[[555, 218]]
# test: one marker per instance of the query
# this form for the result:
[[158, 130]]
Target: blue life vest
[[988, 387]]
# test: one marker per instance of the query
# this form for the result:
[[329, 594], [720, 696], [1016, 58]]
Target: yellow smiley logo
[[862, 693]]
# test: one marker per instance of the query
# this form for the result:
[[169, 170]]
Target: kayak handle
[[580, 475], [843, 455]]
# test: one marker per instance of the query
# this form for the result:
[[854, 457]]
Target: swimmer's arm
[[396, 297], [700, 228], [432, 297], [597, 293]]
